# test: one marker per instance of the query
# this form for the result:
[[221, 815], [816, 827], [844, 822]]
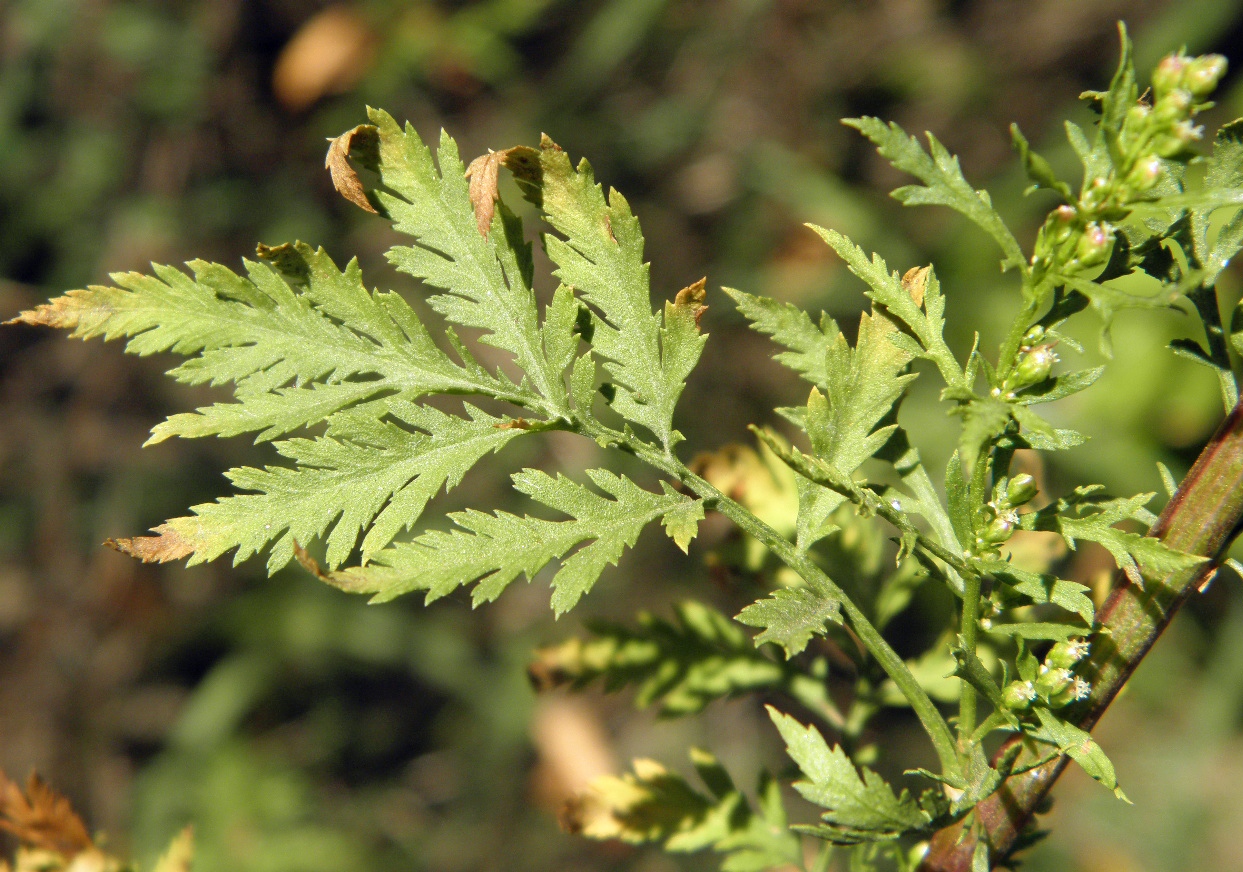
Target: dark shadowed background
[[300, 729]]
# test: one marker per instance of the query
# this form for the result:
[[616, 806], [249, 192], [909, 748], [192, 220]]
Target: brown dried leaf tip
[[42, 818], [64, 313], [168, 544], [914, 282], [343, 580], [287, 260], [362, 143], [692, 296], [484, 173]]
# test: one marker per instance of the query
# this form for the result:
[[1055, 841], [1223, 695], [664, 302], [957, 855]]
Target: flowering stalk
[[1201, 519]]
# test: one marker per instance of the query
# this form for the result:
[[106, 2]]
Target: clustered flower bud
[[1169, 73], [1000, 528], [1202, 74], [1036, 333], [1018, 695], [1181, 86], [1094, 246], [1053, 680], [1197, 76], [1076, 690], [1033, 368], [1067, 654], [1145, 174], [1021, 489], [1055, 683]]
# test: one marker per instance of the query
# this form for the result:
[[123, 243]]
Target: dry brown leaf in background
[[337, 162], [42, 818], [328, 54], [573, 747]]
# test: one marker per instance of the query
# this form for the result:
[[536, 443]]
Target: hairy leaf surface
[[790, 617]]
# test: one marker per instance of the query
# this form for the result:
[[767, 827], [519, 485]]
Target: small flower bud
[[1077, 690], [1188, 133], [1094, 245], [1181, 137], [1033, 368], [1145, 174], [1018, 695], [1035, 333], [1203, 74], [1096, 195], [1021, 489], [1066, 654], [1169, 73], [1051, 682], [1137, 118], [1060, 224], [1000, 528], [1174, 106]]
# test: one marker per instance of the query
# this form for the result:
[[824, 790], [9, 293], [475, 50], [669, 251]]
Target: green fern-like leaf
[[790, 617], [492, 550], [1087, 515], [861, 807], [487, 278], [653, 804], [352, 356], [943, 181], [305, 344], [600, 255]]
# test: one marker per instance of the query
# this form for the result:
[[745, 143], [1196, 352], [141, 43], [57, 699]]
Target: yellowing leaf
[[179, 854]]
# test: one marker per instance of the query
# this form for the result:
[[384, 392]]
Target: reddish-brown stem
[[1201, 519]]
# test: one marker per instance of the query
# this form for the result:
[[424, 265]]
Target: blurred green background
[[301, 730]]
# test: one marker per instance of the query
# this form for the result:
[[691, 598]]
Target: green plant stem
[[821, 473], [1205, 300], [893, 665], [968, 630], [1201, 518]]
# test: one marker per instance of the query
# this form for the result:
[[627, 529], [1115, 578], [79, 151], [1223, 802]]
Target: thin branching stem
[[893, 665]]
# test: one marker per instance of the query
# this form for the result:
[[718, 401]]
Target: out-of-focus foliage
[[301, 730]]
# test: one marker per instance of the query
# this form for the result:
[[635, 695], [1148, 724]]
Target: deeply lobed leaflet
[[307, 346]]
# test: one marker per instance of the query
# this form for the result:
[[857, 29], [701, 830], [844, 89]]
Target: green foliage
[[310, 350], [682, 665], [791, 617], [943, 182], [861, 807], [656, 805], [304, 342]]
